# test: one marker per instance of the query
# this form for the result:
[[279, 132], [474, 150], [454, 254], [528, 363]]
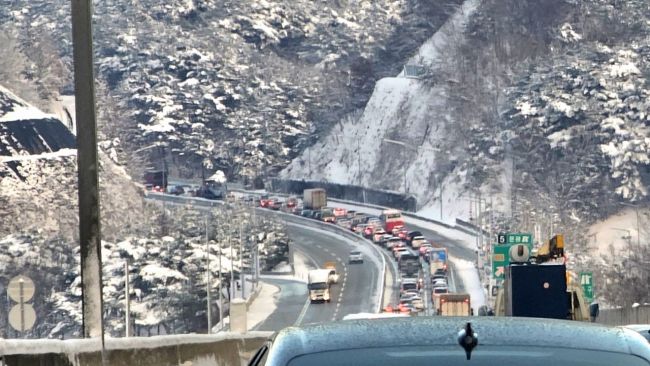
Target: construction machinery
[[538, 286]]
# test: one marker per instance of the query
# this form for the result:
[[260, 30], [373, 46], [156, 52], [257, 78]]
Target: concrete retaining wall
[[637, 315], [346, 192], [187, 350]]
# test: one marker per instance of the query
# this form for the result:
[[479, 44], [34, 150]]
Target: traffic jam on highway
[[422, 265]]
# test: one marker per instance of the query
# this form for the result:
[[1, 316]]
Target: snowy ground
[[262, 306], [469, 275], [617, 231], [394, 143]]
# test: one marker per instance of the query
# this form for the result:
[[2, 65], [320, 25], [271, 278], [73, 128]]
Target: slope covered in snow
[[243, 85], [396, 143]]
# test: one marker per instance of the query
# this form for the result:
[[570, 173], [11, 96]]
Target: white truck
[[318, 285], [314, 199]]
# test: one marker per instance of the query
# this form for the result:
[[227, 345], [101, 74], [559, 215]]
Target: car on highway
[[333, 275], [358, 228], [418, 303], [439, 283], [397, 251], [177, 190], [417, 241], [469, 341], [438, 276], [424, 249], [407, 284], [339, 212], [384, 239], [409, 293], [440, 290], [306, 213], [264, 201], [292, 202], [276, 204], [395, 231], [394, 242], [378, 235], [355, 257], [440, 272], [410, 235]]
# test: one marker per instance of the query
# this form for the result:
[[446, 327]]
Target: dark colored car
[[177, 190], [468, 341], [411, 235], [306, 213]]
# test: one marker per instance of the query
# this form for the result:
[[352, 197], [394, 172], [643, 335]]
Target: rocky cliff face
[[240, 86]]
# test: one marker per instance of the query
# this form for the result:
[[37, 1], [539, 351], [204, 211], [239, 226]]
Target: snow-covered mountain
[[240, 86], [480, 109], [38, 231], [536, 111]]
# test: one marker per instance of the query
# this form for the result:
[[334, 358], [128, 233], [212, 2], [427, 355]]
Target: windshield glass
[[453, 356], [318, 286], [161, 159]]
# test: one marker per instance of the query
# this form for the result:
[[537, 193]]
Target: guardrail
[[296, 219], [463, 229], [343, 232], [226, 349]]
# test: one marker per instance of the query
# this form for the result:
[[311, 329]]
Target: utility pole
[[232, 270], [87, 173], [127, 297], [220, 291], [241, 260], [208, 281]]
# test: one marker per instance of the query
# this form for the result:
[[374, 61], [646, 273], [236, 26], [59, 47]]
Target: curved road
[[354, 292]]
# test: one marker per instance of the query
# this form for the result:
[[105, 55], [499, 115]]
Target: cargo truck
[[437, 259], [537, 286], [314, 199], [452, 304], [318, 284], [409, 264]]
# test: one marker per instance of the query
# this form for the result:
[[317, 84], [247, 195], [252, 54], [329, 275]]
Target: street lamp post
[[628, 238], [208, 284]]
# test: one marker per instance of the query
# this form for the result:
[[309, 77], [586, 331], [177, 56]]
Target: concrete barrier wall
[[638, 315], [347, 192], [187, 350]]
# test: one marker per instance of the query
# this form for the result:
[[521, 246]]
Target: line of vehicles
[[411, 251], [527, 278]]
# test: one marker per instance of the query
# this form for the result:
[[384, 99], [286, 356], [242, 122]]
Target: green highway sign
[[586, 281], [515, 238], [500, 260]]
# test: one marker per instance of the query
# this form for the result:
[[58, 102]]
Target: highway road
[[358, 289], [354, 293]]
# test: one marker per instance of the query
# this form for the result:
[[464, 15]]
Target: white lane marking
[[302, 313]]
